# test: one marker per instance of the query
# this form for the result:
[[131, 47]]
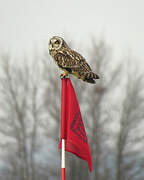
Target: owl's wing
[[71, 59]]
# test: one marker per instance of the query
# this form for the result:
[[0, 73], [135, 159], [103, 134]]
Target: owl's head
[[56, 43]]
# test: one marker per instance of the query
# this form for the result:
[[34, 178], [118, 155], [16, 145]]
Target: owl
[[70, 61]]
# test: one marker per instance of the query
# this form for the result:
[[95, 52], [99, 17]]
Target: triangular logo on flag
[[72, 127]]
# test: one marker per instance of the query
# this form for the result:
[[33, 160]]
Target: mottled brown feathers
[[70, 61]]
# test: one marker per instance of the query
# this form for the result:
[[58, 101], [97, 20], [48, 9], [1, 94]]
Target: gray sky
[[26, 23]]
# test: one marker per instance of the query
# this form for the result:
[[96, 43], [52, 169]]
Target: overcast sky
[[26, 23]]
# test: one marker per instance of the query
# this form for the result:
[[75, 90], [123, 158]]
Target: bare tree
[[20, 116], [131, 120]]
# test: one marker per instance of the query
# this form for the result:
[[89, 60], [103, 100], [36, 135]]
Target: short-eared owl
[[70, 61]]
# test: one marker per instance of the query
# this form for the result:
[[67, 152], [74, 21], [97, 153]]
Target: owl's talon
[[63, 76]]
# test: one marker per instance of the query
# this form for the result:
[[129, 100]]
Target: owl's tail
[[90, 77]]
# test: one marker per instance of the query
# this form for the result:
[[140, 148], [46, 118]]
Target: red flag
[[72, 127]]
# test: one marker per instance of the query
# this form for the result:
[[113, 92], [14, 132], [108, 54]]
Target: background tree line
[[112, 110]]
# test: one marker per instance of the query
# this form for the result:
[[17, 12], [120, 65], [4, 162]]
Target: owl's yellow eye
[[57, 42]]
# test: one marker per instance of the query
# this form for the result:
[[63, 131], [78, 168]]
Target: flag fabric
[[72, 127]]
